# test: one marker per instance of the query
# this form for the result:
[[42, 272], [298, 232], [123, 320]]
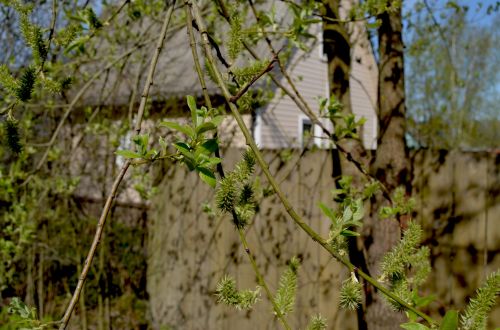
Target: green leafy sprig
[[196, 151]]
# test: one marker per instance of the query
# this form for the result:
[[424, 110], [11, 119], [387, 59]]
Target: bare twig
[[51, 32], [303, 105], [119, 178], [249, 84], [73, 103], [286, 203]]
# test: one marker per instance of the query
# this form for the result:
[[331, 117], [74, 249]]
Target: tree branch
[[119, 178], [220, 168], [245, 88], [265, 167]]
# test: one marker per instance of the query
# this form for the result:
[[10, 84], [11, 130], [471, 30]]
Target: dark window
[[307, 133]]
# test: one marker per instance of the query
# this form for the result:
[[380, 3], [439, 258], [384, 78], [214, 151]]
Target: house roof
[[175, 75]]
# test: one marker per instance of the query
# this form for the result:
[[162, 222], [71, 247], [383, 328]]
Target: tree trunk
[[391, 164], [337, 47]]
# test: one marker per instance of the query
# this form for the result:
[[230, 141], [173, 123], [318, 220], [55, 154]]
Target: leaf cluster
[[401, 205], [346, 124], [196, 151], [342, 222]]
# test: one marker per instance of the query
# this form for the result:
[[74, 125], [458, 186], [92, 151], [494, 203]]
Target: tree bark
[[391, 165], [337, 47]]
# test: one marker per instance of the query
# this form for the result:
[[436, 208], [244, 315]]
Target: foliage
[[452, 93], [45, 222], [23, 317], [346, 125]]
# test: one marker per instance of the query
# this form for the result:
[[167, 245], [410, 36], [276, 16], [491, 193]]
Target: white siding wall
[[280, 119]]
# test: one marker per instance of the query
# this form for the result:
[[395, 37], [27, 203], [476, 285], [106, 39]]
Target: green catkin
[[227, 293], [395, 263], [7, 81], [246, 196], [249, 159], [351, 293], [235, 42], [26, 84], [287, 289], [317, 323], [226, 195], [12, 138], [92, 19], [401, 290], [475, 316]]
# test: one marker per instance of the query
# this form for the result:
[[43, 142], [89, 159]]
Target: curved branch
[[288, 206], [220, 169], [118, 179]]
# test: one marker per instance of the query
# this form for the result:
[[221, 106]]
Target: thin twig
[[261, 280], [109, 20], [245, 88], [51, 32], [220, 169], [288, 206], [73, 103], [304, 106], [119, 178]]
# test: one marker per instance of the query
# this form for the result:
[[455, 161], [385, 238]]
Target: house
[[279, 123]]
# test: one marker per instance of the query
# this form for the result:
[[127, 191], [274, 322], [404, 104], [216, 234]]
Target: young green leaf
[[205, 127], [327, 211], [183, 148], [207, 175], [186, 129], [450, 321], [192, 107], [128, 154], [414, 326], [217, 120], [210, 145], [346, 232]]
